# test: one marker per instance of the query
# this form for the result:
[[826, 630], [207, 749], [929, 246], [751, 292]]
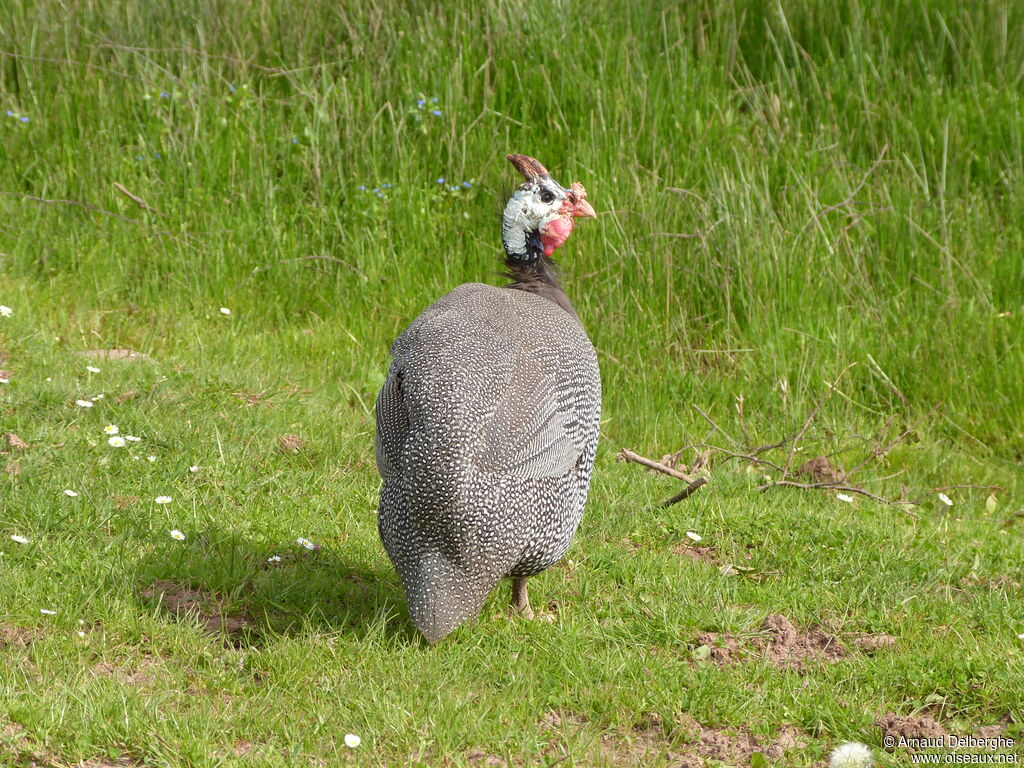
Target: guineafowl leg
[[520, 600]]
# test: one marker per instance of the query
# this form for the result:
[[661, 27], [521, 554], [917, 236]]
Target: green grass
[[849, 183]]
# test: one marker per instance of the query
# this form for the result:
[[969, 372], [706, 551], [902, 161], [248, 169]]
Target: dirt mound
[[779, 643], [681, 742], [923, 727], [687, 743]]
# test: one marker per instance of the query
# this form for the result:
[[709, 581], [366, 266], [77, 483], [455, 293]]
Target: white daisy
[[845, 497], [274, 559], [111, 429], [116, 442], [47, 611], [305, 543], [194, 468], [132, 438], [151, 459], [92, 369], [84, 403], [81, 633], [19, 539], [1020, 636], [177, 535], [694, 536], [100, 396], [5, 311], [49, 378], [225, 311], [163, 499], [853, 754], [352, 741], [945, 500], [69, 492], [5, 381]]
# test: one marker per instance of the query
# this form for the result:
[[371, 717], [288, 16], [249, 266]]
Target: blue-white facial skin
[[530, 210]]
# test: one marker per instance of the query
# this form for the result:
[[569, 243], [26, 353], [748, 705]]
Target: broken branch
[[685, 492], [828, 486], [627, 455]]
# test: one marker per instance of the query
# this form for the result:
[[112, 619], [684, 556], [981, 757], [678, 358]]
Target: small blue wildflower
[[164, 95], [387, 186], [435, 112], [9, 113], [157, 156], [380, 195], [376, 191], [23, 119], [452, 188], [435, 100], [362, 187], [466, 184], [231, 88], [441, 180], [295, 141], [420, 102]]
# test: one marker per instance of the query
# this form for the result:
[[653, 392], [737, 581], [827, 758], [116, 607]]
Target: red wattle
[[554, 233]]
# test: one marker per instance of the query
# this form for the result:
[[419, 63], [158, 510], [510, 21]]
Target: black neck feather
[[539, 276]]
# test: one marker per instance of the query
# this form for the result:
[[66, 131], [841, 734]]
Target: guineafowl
[[487, 423]]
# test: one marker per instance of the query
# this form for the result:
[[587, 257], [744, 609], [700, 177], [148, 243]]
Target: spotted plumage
[[487, 424]]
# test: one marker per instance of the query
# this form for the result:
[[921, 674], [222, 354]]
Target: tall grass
[[847, 180]]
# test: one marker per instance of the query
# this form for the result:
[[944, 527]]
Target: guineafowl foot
[[520, 600]]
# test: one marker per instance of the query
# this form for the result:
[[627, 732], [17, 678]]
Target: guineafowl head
[[541, 213]]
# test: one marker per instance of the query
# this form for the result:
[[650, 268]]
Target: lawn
[[215, 218]]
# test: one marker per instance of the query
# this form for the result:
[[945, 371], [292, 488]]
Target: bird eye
[[546, 197]]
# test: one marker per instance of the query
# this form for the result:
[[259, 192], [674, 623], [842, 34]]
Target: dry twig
[[135, 198], [688, 490], [627, 455], [828, 486]]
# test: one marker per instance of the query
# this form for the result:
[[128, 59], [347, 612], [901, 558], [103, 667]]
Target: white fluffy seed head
[[852, 754]]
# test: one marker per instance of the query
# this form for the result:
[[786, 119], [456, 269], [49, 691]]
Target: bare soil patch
[[207, 608], [873, 643], [479, 757], [693, 745], [912, 727], [696, 553], [290, 443], [14, 443], [820, 470], [680, 743], [14, 637], [124, 673], [779, 643]]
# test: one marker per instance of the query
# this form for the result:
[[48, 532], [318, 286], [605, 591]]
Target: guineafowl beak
[[584, 210], [581, 209]]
